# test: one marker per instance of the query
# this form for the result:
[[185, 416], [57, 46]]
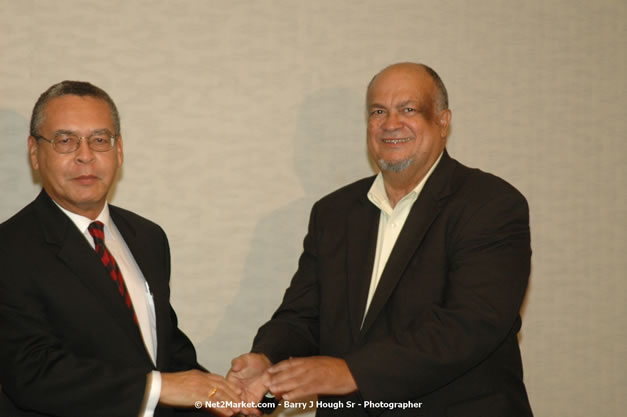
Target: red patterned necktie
[[97, 232]]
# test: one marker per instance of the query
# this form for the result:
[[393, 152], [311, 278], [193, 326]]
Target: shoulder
[[131, 217], [472, 185], [21, 225], [124, 218], [479, 203]]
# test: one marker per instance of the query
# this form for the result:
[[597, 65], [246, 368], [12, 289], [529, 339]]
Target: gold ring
[[213, 392]]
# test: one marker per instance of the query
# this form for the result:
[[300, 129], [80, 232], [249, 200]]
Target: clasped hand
[[201, 390], [251, 376], [291, 379]]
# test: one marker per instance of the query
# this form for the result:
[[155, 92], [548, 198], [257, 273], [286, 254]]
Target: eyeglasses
[[69, 142]]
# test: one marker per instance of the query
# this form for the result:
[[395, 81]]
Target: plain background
[[237, 115]]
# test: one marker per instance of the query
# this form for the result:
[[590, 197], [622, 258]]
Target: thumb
[[237, 364]]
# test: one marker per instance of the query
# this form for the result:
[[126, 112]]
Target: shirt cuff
[[153, 394]]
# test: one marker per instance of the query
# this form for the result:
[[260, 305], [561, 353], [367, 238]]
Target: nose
[[392, 121], [84, 154]]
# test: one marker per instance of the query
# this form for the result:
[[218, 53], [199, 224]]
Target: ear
[[444, 121], [33, 147], [119, 150]]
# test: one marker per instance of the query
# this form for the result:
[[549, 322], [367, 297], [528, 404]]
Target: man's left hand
[[301, 377]]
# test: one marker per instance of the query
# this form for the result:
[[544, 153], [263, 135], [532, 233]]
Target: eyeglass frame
[[52, 142]]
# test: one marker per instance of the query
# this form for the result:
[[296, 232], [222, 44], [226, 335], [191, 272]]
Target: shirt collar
[[82, 222], [379, 197]]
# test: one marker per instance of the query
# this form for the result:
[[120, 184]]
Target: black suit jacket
[[442, 327], [68, 345]]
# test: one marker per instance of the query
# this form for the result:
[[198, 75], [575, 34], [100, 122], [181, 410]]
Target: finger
[[266, 379], [227, 393], [219, 407], [298, 388], [220, 389], [236, 378], [298, 393], [220, 380], [238, 363], [250, 412], [222, 406], [291, 372], [298, 381], [283, 384], [222, 411], [232, 386], [232, 378], [284, 365]]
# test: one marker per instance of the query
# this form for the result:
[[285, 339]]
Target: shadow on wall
[[329, 152], [19, 184]]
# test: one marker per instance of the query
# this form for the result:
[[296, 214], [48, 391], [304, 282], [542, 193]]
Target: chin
[[394, 166]]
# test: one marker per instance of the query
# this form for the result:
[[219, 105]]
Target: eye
[[99, 139], [409, 110], [377, 112], [65, 139]]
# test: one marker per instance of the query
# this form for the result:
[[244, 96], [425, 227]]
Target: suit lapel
[[363, 226], [423, 213], [76, 254]]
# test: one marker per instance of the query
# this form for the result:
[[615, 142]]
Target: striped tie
[[97, 232]]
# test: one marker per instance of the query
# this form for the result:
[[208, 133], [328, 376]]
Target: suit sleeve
[[488, 269], [39, 372]]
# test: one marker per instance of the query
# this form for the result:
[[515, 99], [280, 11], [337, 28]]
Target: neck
[[399, 184], [90, 211]]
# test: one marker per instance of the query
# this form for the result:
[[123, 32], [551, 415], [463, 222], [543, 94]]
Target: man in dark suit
[[407, 296], [87, 332]]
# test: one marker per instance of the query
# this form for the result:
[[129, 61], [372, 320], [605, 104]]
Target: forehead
[[401, 83], [73, 112]]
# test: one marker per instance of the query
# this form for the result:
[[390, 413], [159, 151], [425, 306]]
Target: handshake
[[251, 376]]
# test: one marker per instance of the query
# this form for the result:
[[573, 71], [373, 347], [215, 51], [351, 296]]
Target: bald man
[[407, 296]]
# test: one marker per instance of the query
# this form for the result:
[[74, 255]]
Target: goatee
[[396, 166]]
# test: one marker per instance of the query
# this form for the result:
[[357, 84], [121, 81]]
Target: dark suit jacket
[[442, 326], [68, 345]]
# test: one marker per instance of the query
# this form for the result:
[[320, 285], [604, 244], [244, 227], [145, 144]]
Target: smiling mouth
[[396, 141]]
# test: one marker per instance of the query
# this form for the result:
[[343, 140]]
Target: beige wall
[[237, 115]]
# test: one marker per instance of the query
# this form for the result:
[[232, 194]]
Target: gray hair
[[441, 99], [77, 88]]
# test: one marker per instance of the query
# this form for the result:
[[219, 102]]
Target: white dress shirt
[[391, 223], [137, 288]]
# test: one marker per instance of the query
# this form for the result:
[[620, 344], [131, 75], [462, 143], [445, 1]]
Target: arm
[[39, 372]]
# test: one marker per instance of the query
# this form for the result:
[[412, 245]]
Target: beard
[[394, 166]]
